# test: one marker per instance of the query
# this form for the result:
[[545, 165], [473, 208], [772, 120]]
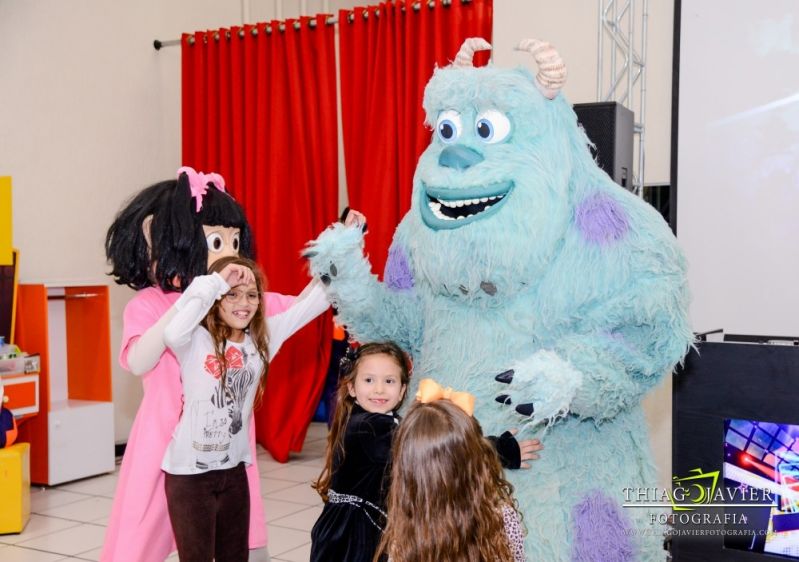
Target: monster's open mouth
[[452, 208]]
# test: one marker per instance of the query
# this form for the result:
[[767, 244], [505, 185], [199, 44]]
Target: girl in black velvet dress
[[352, 483]]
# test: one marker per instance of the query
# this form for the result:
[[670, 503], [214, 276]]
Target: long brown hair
[[220, 332], [447, 490], [345, 402]]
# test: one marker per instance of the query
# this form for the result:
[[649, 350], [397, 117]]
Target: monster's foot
[[601, 531]]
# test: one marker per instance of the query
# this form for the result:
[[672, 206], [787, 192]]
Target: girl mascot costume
[[165, 236], [523, 275]]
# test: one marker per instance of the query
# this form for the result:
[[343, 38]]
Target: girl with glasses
[[223, 341]]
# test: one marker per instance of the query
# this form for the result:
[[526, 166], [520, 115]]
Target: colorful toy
[[8, 425], [524, 275]]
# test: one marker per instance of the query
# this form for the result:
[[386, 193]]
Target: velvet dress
[[352, 521]]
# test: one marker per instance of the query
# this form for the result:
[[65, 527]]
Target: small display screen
[[765, 456]]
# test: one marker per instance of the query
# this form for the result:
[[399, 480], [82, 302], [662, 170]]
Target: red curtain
[[388, 53], [259, 107]]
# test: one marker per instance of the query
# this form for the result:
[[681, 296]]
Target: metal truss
[[621, 67]]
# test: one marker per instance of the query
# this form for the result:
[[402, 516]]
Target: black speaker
[[609, 125]]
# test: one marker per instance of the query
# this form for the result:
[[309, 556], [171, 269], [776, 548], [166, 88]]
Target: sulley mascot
[[524, 275]]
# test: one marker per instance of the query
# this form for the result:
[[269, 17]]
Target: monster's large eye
[[235, 243], [448, 126], [492, 126], [215, 242]]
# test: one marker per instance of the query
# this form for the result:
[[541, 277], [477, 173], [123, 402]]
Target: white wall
[[738, 175], [89, 115], [571, 26]]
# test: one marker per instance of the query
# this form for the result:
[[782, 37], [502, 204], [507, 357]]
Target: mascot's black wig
[[176, 251]]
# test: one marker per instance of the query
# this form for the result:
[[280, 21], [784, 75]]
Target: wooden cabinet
[[72, 437]]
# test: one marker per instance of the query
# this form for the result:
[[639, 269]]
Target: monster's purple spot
[[601, 219], [601, 530], [397, 275]]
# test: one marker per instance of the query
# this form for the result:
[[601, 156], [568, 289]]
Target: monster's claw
[[505, 377], [503, 399], [525, 409], [309, 254]]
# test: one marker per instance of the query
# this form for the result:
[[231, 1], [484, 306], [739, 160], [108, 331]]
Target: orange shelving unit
[[72, 436]]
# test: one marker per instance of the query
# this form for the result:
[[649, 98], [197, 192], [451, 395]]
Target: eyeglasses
[[234, 296]]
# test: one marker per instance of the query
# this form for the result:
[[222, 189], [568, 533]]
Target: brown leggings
[[210, 514]]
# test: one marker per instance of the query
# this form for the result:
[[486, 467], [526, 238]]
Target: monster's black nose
[[459, 157]]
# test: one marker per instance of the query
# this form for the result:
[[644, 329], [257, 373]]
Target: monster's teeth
[[435, 206]]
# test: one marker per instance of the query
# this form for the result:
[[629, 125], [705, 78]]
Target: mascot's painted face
[[487, 184], [223, 241]]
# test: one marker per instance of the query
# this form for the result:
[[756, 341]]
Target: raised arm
[[370, 310], [192, 307], [308, 305]]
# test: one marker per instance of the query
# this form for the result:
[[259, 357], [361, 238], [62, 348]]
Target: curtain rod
[[332, 20]]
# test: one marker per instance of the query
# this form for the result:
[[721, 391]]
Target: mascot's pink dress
[[139, 528]]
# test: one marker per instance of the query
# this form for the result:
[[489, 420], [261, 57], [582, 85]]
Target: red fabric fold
[[386, 61], [260, 109]]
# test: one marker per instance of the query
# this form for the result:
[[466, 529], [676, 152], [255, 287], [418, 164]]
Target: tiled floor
[[68, 521]]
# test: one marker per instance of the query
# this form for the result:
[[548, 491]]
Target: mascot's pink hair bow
[[430, 391], [198, 184]]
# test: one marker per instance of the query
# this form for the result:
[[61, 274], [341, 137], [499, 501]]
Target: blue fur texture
[[567, 278]]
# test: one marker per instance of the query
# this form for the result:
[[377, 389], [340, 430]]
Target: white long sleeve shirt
[[212, 431]]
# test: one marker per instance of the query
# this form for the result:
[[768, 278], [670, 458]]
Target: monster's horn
[[551, 68], [465, 55]]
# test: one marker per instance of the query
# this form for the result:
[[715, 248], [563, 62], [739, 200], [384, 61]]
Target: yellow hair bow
[[430, 391]]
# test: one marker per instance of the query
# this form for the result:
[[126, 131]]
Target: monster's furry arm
[[599, 373], [369, 310]]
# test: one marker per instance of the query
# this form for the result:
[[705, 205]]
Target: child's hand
[[351, 217], [528, 448], [235, 275]]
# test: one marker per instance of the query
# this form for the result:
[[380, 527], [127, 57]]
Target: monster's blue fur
[[590, 315]]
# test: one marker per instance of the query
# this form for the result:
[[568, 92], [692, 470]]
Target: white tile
[[17, 554], [283, 540], [266, 464], [296, 473], [301, 521], [38, 525], [259, 555], [47, 498], [302, 554], [72, 541], [93, 554], [316, 431], [275, 509], [104, 485], [85, 510], [269, 485], [301, 493], [317, 462]]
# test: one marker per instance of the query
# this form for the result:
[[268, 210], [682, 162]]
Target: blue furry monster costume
[[519, 257]]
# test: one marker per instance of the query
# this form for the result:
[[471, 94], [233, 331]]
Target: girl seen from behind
[[449, 500], [371, 389]]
